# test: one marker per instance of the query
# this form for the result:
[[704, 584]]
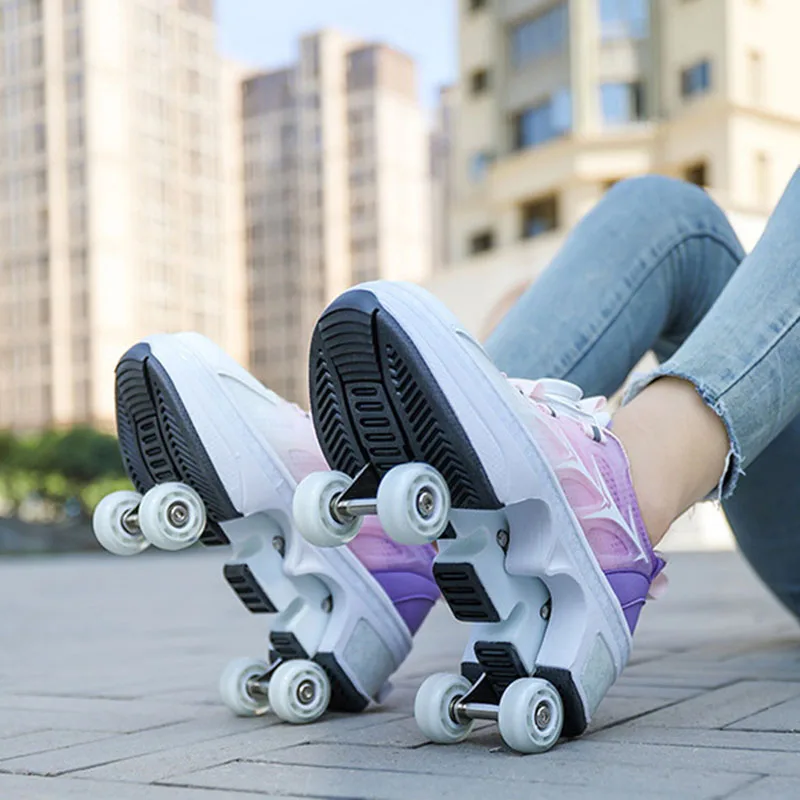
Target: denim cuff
[[733, 461]]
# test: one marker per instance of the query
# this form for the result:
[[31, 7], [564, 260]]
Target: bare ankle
[[677, 448]]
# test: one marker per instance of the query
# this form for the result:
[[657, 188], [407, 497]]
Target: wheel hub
[[542, 715], [426, 503], [178, 513], [306, 692]]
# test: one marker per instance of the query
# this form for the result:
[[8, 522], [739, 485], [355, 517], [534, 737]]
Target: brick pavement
[[108, 690]]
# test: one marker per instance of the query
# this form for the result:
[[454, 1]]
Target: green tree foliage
[[60, 465]]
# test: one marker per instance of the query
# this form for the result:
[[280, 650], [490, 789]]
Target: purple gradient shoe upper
[[404, 572], [594, 474]]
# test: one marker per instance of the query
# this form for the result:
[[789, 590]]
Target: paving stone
[[29, 787], [556, 768], [721, 707], [698, 737], [380, 784], [679, 758], [782, 717], [104, 751], [766, 788], [614, 710], [260, 739], [43, 741], [124, 716]]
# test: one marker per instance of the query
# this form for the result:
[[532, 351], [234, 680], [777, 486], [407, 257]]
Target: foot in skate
[[215, 457], [541, 545]]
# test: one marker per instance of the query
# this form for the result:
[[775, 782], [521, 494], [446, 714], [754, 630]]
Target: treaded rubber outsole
[[158, 441], [373, 400]]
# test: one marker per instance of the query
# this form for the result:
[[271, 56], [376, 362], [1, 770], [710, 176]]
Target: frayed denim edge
[[733, 461]]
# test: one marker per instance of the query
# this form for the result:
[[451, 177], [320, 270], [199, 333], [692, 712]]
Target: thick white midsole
[[556, 549], [298, 582]]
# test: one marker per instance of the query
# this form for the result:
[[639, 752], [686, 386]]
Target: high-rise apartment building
[[337, 191], [558, 99], [116, 212]]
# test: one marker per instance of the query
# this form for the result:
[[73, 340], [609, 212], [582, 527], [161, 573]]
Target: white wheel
[[531, 715], [312, 508], [413, 504], [172, 516], [233, 687], [115, 527], [432, 708], [299, 691]]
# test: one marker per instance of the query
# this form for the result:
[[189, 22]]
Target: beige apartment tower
[[117, 217], [558, 99], [337, 191]]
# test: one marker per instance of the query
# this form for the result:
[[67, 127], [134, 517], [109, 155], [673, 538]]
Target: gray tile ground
[[108, 689]]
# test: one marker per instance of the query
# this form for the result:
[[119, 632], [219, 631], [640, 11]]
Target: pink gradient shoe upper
[[405, 573], [593, 471]]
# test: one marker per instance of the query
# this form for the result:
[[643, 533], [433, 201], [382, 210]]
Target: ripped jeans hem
[[733, 460]]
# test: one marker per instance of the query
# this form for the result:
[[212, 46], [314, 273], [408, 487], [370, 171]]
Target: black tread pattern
[[501, 663], [158, 441], [374, 401], [464, 592], [248, 589]]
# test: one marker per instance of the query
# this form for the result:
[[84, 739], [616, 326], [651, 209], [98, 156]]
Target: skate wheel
[[233, 687], [299, 691], [531, 715], [413, 504], [432, 708], [312, 508], [111, 528], [172, 516]]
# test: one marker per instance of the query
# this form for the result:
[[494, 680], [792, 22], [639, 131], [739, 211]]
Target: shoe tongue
[[566, 397]]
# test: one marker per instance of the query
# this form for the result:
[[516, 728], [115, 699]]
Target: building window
[[479, 165], [37, 51], [624, 19], [696, 79], [481, 242], [538, 124], [476, 5], [539, 216], [622, 102], [39, 138], [74, 87], [755, 77], [479, 81], [697, 174], [541, 36], [72, 43], [762, 181]]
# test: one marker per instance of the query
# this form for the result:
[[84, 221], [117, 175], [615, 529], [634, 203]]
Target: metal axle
[[462, 712], [357, 507], [258, 687], [130, 521]]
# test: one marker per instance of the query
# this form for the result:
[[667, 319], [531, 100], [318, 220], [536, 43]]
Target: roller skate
[[541, 545], [215, 458]]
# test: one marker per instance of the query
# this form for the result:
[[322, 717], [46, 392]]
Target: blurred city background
[[231, 167]]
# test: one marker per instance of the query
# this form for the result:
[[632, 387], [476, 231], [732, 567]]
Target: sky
[[264, 33]]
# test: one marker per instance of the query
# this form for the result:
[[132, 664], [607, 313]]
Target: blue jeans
[[657, 266]]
